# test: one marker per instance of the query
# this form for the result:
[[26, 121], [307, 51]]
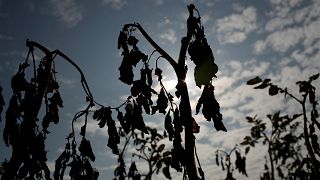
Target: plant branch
[[155, 45]]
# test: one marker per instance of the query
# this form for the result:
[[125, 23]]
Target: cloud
[[278, 23], [68, 11], [115, 4], [291, 24], [235, 28], [282, 40], [169, 36], [259, 46]]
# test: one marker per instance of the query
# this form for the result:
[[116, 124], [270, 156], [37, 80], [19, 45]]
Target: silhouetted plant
[[26, 132], [223, 159], [283, 140], [282, 143], [149, 149], [201, 54]]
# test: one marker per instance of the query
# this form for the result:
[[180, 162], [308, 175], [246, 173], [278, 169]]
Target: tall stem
[[271, 162], [315, 169], [185, 108]]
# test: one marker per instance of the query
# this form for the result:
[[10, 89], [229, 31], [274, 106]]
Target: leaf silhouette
[[273, 90], [314, 77], [264, 84], [254, 81], [210, 107], [206, 70]]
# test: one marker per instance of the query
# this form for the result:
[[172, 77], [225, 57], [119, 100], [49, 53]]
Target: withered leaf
[[264, 84], [254, 81], [158, 72], [314, 77], [273, 90], [122, 39], [168, 126]]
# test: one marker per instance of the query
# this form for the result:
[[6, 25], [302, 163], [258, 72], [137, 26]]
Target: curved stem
[[163, 53]]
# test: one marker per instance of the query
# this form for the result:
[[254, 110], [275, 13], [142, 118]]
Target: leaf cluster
[[210, 107], [200, 52], [284, 139], [223, 159]]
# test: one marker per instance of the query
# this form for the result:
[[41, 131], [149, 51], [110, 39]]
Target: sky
[[276, 39]]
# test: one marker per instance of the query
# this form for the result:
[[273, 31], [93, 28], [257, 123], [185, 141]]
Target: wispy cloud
[[115, 4], [282, 40], [289, 26], [235, 28], [68, 11], [169, 36]]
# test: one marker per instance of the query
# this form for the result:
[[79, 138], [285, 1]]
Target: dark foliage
[[211, 108], [26, 133], [201, 53], [141, 92], [285, 137], [223, 159], [23, 130]]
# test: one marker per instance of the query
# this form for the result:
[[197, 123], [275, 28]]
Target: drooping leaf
[[158, 72], [132, 41], [314, 77], [177, 121], [122, 39], [204, 72], [195, 126], [86, 149], [247, 149], [135, 55], [138, 122], [202, 56], [220, 126], [18, 82], [83, 130], [295, 116], [210, 107], [168, 126], [264, 84], [56, 99], [126, 72], [132, 170], [254, 81], [162, 103], [273, 90], [166, 172], [142, 101]]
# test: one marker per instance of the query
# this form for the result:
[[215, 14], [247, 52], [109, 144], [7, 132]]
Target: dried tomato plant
[[177, 118], [26, 131]]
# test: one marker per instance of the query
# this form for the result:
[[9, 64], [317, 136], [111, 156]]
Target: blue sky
[[277, 39]]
